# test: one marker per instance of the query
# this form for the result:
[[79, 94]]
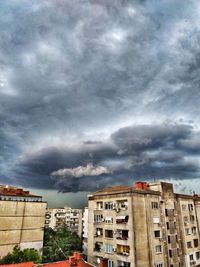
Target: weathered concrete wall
[[21, 222]]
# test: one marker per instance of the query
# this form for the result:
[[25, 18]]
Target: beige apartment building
[[59, 217], [147, 225], [22, 218]]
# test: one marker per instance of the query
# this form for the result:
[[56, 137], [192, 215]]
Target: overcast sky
[[95, 93]]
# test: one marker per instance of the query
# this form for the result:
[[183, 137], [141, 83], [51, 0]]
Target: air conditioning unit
[[114, 249]]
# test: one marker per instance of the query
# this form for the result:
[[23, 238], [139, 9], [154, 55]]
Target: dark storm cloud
[[135, 152], [72, 73]]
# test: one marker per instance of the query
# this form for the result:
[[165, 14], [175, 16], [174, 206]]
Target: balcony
[[122, 234], [99, 232], [98, 247], [123, 250], [123, 264], [109, 234], [122, 219]]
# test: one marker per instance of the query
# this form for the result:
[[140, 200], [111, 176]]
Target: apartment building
[[144, 225], [85, 231], [59, 217], [22, 218]]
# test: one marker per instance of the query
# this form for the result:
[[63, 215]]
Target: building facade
[[22, 218], [85, 231], [145, 225], [59, 217]]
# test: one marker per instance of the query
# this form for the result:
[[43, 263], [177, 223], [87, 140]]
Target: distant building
[[59, 217], [85, 231], [22, 218], [147, 225]]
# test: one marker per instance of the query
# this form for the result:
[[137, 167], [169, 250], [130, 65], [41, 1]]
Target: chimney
[[72, 261], [141, 185], [103, 262], [75, 254]]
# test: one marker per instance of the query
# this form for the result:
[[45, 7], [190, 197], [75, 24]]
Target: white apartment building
[[145, 225], [59, 217]]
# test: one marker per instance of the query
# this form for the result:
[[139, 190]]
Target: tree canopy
[[59, 244], [18, 256]]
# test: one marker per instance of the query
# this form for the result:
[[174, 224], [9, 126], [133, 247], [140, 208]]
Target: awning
[[120, 217]]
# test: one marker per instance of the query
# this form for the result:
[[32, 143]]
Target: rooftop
[[76, 261], [24, 264], [6, 190]]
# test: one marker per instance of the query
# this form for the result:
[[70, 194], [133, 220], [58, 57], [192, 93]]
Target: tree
[[18, 255], [59, 244]]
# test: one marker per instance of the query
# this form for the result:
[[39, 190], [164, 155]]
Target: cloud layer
[[160, 151], [114, 84]]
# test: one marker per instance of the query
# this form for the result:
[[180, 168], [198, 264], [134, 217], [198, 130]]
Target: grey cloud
[[161, 156], [72, 68], [81, 171]]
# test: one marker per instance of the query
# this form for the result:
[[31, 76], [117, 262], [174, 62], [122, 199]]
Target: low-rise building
[[74, 261], [145, 225], [60, 217], [22, 217]]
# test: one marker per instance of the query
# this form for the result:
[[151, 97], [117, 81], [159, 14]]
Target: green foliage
[[18, 255], [60, 244]]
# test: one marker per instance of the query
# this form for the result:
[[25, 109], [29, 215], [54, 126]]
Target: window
[[159, 265], [109, 233], [158, 249], [154, 205], [197, 255], [123, 250], [194, 230], [122, 234], [109, 248], [191, 257], [196, 243], [99, 205], [190, 207], [192, 218], [99, 232], [122, 204], [189, 244], [98, 246], [185, 218], [110, 263], [108, 205], [98, 218], [157, 234], [170, 253], [108, 220], [123, 264], [187, 231]]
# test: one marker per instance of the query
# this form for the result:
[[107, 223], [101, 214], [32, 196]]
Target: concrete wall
[[21, 223]]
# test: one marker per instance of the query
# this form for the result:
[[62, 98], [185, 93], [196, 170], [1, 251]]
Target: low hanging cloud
[[146, 151], [81, 171], [81, 178]]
